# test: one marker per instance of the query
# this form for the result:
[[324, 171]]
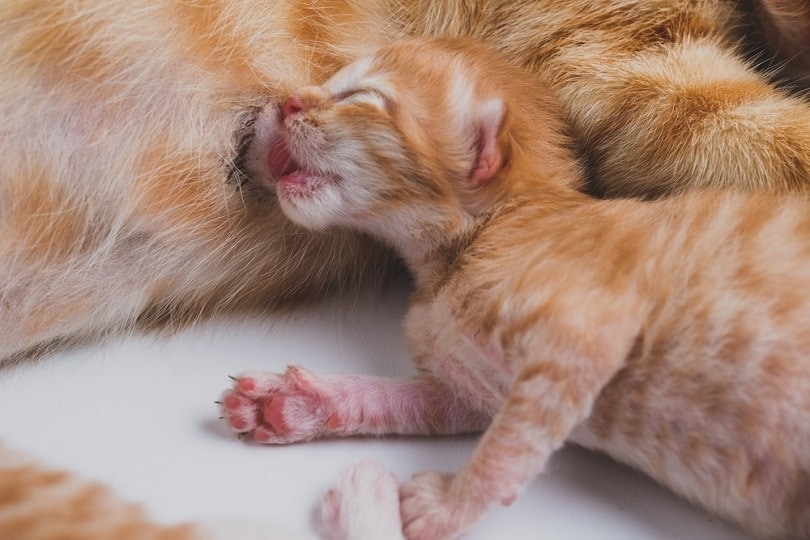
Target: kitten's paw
[[364, 505], [427, 510], [278, 408]]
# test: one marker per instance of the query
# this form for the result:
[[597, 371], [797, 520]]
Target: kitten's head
[[422, 131]]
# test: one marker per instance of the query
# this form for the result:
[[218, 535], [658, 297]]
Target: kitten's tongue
[[280, 160], [298, 177], [287, 173]]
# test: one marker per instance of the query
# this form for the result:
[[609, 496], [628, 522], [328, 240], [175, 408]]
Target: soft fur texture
[[38, 503], [127, 130], [672, 334], [128, 191], [43, 504]]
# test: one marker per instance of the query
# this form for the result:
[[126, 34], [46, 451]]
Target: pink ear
[[488, 118]]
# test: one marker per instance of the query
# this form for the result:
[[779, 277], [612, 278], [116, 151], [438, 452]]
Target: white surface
[[137, 413]]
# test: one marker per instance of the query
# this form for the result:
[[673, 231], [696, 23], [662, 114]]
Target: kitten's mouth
[[289, 174], [280, 160]]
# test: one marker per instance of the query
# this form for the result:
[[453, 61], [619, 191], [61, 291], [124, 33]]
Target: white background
[[137, 412]]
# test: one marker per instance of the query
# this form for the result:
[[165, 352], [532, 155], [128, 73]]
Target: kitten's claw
[[277, 408]]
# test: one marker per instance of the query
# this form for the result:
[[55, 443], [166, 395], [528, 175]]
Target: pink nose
[[292, 106]]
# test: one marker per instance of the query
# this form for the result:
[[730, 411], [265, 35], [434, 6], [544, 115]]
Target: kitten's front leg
[[546, 400], [300, 405]]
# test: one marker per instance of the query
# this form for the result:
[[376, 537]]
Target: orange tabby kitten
[[129, 148], [127, 129], [673, 334]]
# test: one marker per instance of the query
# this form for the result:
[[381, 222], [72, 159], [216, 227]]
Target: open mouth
[[289, 174], [280, 160]]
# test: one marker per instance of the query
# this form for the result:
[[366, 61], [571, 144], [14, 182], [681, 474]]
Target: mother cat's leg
[[301, 405], [691, 114]]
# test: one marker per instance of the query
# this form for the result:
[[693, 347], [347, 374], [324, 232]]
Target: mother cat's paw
[[278, 408]]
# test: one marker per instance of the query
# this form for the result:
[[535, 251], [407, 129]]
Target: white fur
[[364, 505]]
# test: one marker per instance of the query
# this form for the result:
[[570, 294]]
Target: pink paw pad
[[273, 414], [245, 384], [278, 408], [239, 411]]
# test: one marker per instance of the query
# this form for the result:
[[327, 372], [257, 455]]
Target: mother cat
[[125, 130]]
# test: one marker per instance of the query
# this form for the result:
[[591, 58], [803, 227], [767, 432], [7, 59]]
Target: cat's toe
[[243, 405], [426, 512], [258, 385], [240, 411], [277, 408]]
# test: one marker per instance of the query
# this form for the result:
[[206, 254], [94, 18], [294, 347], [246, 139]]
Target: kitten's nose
[[292, 106]]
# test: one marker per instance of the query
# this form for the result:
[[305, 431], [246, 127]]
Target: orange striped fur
[[126, 197], [672, 334], [39, 503], [122, 126], [42, 504]]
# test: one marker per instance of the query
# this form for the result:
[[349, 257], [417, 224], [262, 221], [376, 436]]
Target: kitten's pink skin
[[489, 163], [300, 405], [292, 105], [364, 505], [275, 408], [490, 158], [646, 343], [279, 160]]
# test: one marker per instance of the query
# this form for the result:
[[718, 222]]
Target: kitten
[[673, 334], [130, 135]]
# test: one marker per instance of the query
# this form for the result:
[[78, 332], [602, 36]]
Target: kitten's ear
[[488, 119]]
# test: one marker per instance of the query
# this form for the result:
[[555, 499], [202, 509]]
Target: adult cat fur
[[122, 126], [125, 128], [40, 503]]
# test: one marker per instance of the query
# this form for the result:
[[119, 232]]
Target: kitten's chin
[[309, 200], [301, 185]]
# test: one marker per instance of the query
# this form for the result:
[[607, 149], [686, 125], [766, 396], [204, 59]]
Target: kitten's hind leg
[[299, 405]]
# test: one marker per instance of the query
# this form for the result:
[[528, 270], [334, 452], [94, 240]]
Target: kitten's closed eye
[[372, 96]]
